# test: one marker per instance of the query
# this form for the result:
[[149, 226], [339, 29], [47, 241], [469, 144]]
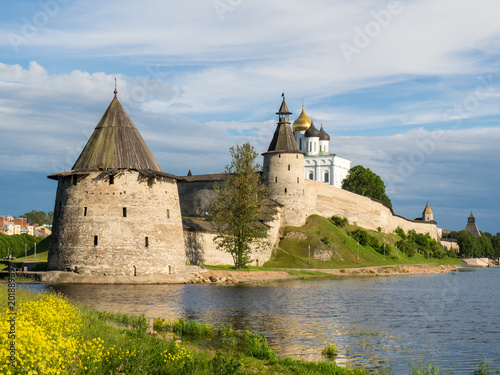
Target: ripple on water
[[449, 319]]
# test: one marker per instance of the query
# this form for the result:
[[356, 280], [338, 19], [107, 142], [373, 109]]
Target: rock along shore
[[200, 275]]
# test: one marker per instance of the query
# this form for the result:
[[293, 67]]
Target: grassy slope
[[322, 235], [42, 251]]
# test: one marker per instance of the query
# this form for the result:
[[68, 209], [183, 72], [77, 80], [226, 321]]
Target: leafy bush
[[340, 222], [256, 346], [366, 239], [223, 365]]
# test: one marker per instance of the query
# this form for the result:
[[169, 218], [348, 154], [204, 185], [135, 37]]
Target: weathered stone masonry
[[116, 211]]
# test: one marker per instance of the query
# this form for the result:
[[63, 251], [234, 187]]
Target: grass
[[42, 252], [320, 235]]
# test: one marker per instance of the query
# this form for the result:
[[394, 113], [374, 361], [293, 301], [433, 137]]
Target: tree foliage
[[363, 181], [39, 217], [15, 244], [413, 242], [238, 205], [484, 246]]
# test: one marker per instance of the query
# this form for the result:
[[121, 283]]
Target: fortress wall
[[201, 248], [327, 200], [196, 197], [94, 208]]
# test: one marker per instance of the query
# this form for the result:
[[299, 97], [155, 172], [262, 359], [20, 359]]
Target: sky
[[409, 89]]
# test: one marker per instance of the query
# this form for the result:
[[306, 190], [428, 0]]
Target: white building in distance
[[319, 164]]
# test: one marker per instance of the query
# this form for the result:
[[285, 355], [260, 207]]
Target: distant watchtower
[[116, 211], [427, 214], [471, 226], [284, 170]]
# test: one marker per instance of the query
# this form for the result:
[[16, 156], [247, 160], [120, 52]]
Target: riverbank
[[54, 336], [215, 275], [226, 275]]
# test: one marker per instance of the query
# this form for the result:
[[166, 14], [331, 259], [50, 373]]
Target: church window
[[111, 179], [84, 211], [124, 211], [327, 177], [96, 239], [300, 144], [146, 241], [311, 176]]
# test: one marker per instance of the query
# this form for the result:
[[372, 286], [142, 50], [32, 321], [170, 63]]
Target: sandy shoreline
[[241, 276], [196, 274]]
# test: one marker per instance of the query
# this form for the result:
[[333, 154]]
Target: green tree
[[38, 217], [238, 205], [469, 245], [495, 242], [363, 181]]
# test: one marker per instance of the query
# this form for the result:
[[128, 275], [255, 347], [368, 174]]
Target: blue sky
[[409, 89]]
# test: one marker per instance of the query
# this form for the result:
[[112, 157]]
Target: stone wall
[[201, 248], [327, 200], [126, 224], [450, 243], [196, 193]]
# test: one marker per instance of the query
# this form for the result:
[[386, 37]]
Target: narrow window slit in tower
[[124, 211], [75, 179], [146, 241], [84, 211], [297, 179], [285, 190], [168, 213], [275, 179], [111, 179], [288, 166], [96, 240]]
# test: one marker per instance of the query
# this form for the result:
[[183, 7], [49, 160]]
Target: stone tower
[[471, 226], [116, 211], [284, 171], [427, 214]]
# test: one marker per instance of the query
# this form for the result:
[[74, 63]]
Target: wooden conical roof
[[116, 144], [283, 140]]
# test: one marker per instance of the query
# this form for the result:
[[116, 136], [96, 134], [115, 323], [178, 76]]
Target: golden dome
[[303, 122]]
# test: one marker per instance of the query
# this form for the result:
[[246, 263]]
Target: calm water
[[451, 319]]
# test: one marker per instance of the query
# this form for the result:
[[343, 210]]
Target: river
[[447, 319]]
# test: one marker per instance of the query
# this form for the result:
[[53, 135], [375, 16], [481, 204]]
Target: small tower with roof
[[284, 170], [116, 212], [471, 226], [427, 214]]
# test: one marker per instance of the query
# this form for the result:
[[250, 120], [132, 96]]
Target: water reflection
[[449, 319]]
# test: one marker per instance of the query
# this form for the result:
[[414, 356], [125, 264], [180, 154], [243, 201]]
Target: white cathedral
[[319, 164]]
